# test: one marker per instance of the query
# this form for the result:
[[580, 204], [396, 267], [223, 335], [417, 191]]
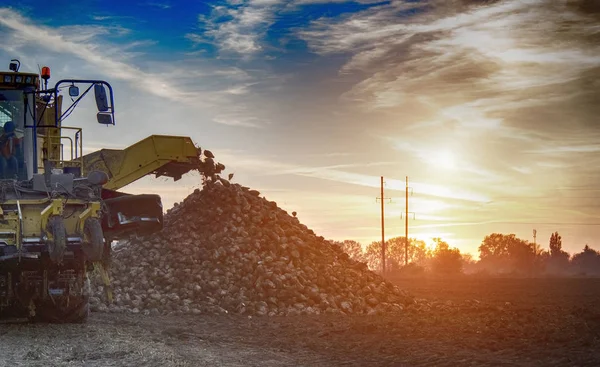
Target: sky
[[489, 107]]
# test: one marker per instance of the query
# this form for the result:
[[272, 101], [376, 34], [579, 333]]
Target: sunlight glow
[[428, 237], [444, 160]]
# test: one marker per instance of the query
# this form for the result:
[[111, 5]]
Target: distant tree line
[[499, 254]]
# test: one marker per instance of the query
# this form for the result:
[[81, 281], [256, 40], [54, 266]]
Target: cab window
[[12, 131]]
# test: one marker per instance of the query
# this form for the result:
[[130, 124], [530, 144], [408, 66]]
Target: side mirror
[[101, 100], [105, 118], [74, 91], [14, 65]]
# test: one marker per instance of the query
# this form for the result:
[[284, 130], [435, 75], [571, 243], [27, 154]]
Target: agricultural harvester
[[60, 209]]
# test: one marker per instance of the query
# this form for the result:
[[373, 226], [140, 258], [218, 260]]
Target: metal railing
[[75, 148]]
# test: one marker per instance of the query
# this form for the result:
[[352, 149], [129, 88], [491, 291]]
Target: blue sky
[[490, 107]]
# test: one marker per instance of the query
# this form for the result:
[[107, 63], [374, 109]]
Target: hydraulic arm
[[161, 155]]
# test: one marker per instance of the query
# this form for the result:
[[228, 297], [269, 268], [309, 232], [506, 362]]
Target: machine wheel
[[93, 240], [58, 244], [76, 313]]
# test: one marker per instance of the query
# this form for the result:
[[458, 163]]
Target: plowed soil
[[544, 323]]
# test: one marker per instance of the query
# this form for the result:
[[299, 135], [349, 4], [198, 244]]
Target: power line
[[547, 197], [546, 205], [578, 189], [551, 223], [513, 223]]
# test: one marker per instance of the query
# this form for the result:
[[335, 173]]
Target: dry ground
[[549, 323]]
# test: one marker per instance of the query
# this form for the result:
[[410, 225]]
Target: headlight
[[7, 79], [19, 79]]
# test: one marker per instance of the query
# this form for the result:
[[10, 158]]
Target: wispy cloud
[[479, 52], [268, 167], [237, 26], [160, 5], [85, 45], [192, 82], [112, 17], [240, 26], [560, 150], [242, 120]]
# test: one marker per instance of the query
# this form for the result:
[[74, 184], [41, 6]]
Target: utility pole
[[382, 198], [406, 227], [535, 241], [382, 231], [407, 213]]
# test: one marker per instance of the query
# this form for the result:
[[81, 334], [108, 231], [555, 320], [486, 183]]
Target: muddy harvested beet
[[225, 249]]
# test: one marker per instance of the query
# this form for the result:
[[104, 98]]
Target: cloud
[[498, 84], [310, 2], [266, 168], [160, 5], [237, 26], [233, 119], [105, 17], [481, 51], [190, 81], [84, 44], [560, 150]]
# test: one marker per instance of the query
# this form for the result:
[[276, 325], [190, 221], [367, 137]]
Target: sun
[[444, 160]]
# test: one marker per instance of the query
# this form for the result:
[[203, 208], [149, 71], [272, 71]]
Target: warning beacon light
[[45, 76], [45, 73]]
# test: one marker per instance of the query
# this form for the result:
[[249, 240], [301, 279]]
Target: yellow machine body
[[60, 211], [161, 155]]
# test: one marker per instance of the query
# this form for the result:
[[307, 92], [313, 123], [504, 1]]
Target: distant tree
[[418, 252], [446, 260], [507, 253], [543, 262], [495, 246], [353, 249], [373, 256], [555, 244], [421, 254], [468, 259], [557, 262], [395, 253], [587, 261], [523, 257], [469, 264]]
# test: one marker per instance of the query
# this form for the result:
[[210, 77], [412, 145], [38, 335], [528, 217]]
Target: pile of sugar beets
[[225, 249]]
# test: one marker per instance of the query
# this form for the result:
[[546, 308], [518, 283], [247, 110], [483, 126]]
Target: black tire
[[58, 242], [93, 240], [76, 314]]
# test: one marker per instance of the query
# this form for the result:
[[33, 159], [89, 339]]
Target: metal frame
[[76, 147], [54, 93], [84, 81]]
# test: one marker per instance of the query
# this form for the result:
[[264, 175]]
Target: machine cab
[[16, 141], [32, 137]]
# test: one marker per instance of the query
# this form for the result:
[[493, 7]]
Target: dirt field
[[548, 323]]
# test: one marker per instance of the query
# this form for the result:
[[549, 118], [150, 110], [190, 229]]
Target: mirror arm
[[72, 106], [83, 81]]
